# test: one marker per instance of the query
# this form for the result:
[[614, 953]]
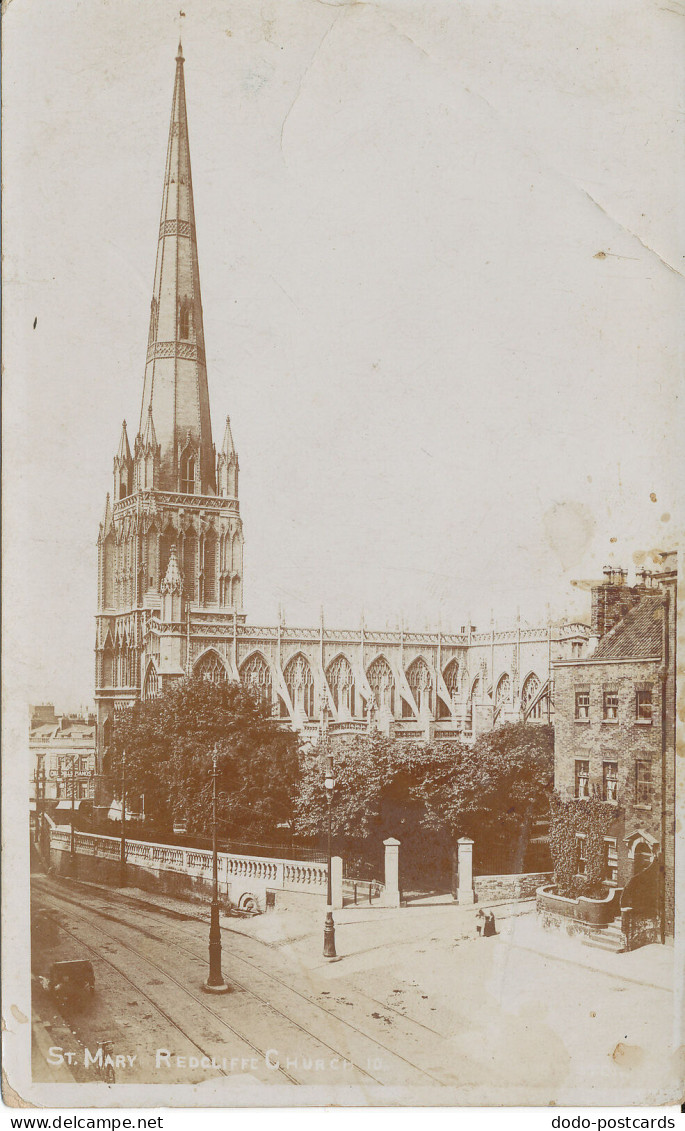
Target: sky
[[441, 254]]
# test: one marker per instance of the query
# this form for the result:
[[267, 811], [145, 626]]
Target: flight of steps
[[607, 938]]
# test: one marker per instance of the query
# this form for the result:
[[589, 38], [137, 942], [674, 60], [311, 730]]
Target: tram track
[[240, 957]]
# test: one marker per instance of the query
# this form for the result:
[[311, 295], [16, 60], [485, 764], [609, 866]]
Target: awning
[[64, 805]]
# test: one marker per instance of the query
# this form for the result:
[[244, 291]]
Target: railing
[[287, 875]]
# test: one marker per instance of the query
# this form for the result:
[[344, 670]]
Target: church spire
[[175, 373]]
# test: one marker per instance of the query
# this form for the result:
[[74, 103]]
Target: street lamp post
[[122, 847], [72, 838], [329, 926], [215, 983]]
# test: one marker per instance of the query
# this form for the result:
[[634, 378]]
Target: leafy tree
[[430, 795], [169, 743]]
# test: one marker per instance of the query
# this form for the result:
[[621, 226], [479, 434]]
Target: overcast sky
[[440, 260]]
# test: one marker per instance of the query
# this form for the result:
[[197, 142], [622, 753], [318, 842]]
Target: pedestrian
[[480, 918], [489, 925]]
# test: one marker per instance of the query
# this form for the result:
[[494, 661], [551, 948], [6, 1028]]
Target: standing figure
[[489, 925]]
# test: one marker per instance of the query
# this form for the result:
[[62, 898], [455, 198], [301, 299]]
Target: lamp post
[[215, 983], [72, 838], [122, 847], [329, 926]]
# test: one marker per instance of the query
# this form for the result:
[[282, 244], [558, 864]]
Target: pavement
[[416, 996], [363, 930]]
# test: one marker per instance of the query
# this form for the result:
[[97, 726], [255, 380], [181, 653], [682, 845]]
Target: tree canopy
[[169, 743], [430, 795]]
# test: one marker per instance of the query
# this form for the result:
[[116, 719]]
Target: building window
[[451, 677], [529, 695], [582, 704], [643, 705], [610, 706], [300, 683], [581, 854], [341, 682], [643, 783], [582, 777], [421, 684], [188, 474], [211, 668], [610, 860], [610, 781], [256, 674], [382, 683]]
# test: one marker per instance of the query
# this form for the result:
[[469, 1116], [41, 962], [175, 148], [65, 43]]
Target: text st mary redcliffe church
[[170, 561]]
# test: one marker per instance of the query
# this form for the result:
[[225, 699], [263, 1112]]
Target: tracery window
[[341, 682], [382, 683], [151, 686], [211, 668], [300, 684], [451, 677], [530, 690], [503, 693], [421, 684], [210, 552], [256, 674], [190, 565]]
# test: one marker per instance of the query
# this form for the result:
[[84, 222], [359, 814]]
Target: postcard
[[342, 535]]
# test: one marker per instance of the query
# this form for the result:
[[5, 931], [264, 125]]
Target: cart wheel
[[248, 902]]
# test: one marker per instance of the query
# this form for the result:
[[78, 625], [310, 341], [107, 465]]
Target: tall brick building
[[615, 723]]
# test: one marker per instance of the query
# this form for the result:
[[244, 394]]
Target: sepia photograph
[[342, 491]]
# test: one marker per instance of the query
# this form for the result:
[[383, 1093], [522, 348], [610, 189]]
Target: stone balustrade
[[239, 876]]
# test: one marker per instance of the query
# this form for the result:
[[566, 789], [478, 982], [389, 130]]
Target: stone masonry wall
[[492, 889]]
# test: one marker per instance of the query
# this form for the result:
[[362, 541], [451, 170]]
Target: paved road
[[275, 1028], [417, 1001]]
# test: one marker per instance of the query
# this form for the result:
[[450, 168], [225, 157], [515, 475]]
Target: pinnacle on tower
[[149, 437], [124, 450], [123, 467], [227, 465], [175, 373], [173, 578], [106, 524]]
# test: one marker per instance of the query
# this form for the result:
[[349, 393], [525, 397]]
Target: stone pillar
[[465, 864], [391, 894], [337, 882]]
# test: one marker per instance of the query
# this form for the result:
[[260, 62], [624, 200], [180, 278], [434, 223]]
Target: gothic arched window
[[190, 565], [300, 684], [382, 683], [188, 473], [341, 683], [421, 684], [503, 692], [151, 685], [531, 688], [209, 566], [451, 677], [255, 673], [211, 667]]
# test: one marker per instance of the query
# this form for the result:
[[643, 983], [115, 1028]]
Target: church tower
[[170, 545]]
